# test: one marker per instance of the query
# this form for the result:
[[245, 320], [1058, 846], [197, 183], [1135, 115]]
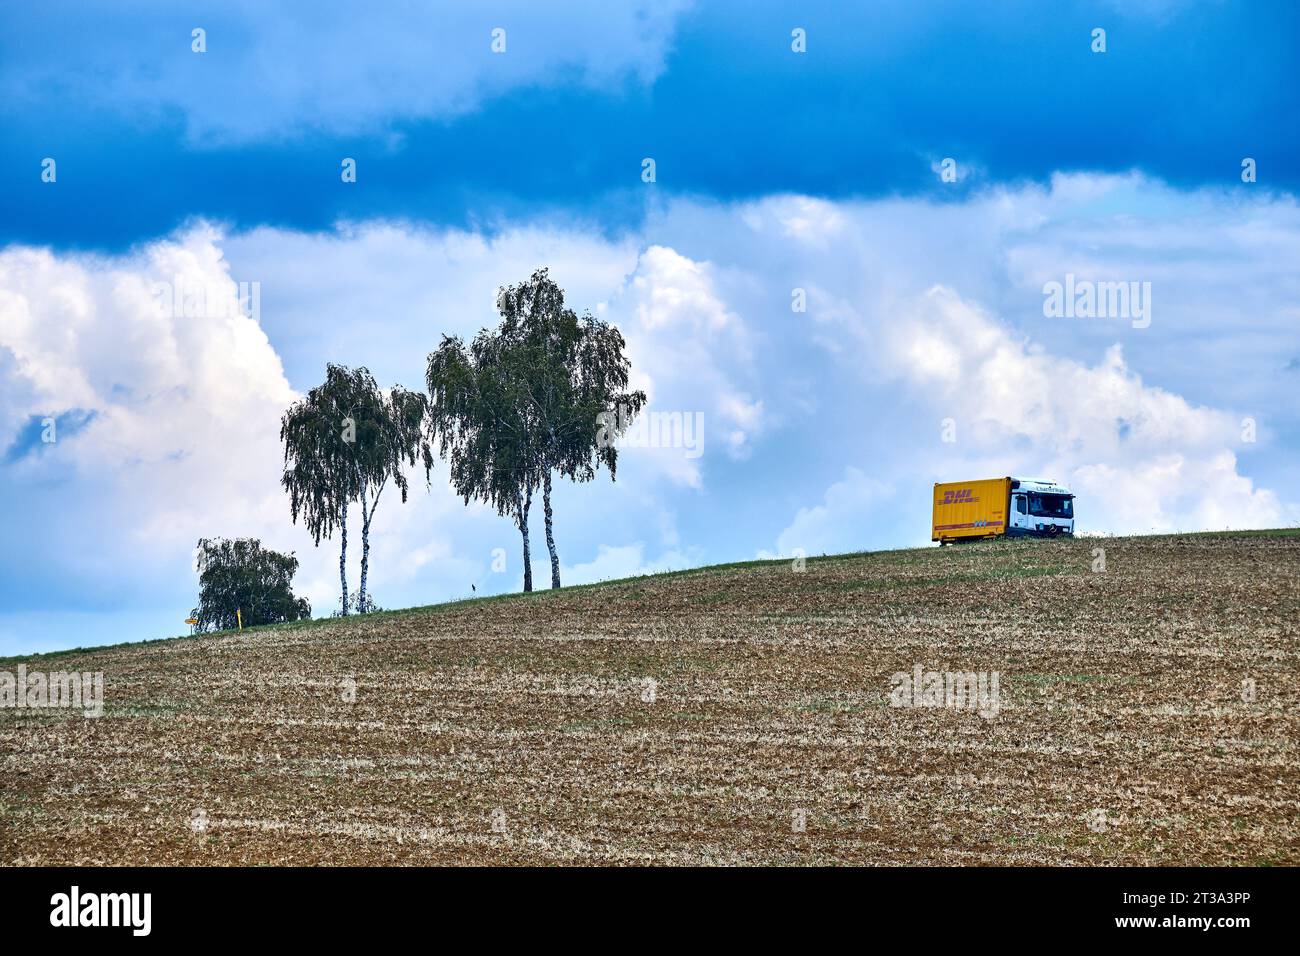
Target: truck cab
[[1039, 508]]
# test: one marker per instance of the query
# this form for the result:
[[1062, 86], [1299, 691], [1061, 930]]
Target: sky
[[838, 268]]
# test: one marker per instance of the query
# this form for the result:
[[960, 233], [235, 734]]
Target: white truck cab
[[1039, 508]]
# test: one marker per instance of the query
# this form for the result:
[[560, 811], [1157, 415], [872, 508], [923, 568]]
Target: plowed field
[[1146, 714]]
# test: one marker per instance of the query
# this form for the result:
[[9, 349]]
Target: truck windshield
[[1051, 506]]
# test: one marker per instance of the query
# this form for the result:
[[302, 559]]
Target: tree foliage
[[241, 576]]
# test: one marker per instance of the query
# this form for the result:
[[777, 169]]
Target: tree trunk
[[343, 558], [550, 537], [363, 603], [525, 504]]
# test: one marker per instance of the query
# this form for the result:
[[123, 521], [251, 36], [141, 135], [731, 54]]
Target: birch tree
[[564, 375], [345, 442], [319, 467]]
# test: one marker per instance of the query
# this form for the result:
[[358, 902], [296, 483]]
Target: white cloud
[[972, 366], [1175, 492], [182, 410], [690, 353]]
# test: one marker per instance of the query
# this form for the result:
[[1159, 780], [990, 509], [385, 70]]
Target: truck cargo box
[[970, 509]]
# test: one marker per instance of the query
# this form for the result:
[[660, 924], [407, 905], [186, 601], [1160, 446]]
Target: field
[[1147, 714]]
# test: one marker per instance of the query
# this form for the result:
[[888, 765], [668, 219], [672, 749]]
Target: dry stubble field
[[1122, 737]]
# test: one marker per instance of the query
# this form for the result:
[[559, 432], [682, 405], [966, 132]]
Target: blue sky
[[775, 171]]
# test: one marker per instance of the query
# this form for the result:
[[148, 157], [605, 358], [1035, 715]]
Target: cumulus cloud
[[691, 354], [176, 406]]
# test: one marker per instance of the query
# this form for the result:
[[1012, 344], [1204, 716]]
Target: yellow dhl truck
[[993, 507]]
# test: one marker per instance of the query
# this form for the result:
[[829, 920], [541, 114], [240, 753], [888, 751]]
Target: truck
[[1000, 507]]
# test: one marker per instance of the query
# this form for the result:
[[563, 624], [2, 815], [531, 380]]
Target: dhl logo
[[959, 496]]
